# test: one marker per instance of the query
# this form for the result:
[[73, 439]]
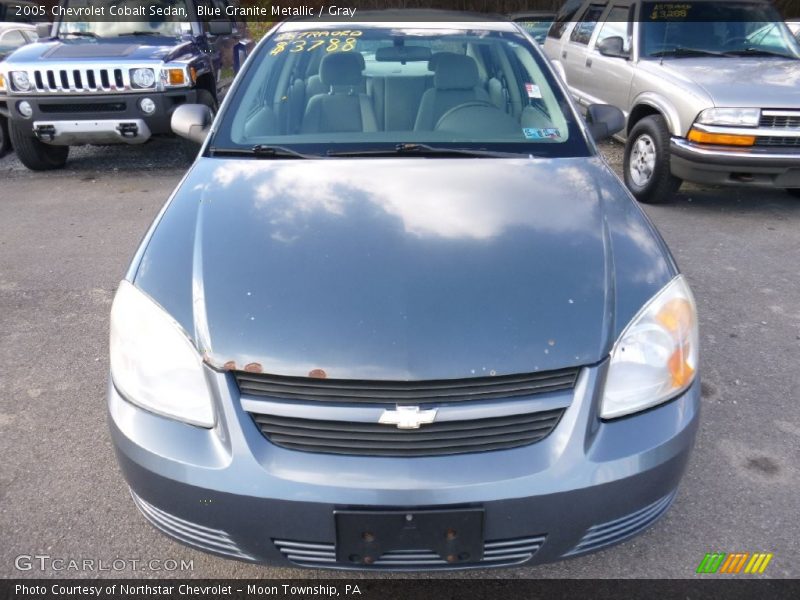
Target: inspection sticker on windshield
[[541, 134], [533, 90]]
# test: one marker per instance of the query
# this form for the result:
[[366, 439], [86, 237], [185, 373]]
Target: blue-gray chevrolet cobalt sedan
[[400, 314]]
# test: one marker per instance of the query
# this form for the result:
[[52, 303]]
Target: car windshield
[[537, 27], [155, 17], [689, 29], [390, 89]]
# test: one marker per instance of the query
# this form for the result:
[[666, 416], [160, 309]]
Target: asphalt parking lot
[[66, 239]]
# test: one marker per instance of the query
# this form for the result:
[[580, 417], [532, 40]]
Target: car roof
[[409, 18], [6, 25]]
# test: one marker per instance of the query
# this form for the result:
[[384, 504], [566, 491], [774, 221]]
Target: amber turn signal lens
[[193, 74], [176, 77], [721, 139], [2, 82], [680, 370]]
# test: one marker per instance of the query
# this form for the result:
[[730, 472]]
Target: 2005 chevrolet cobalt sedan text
[[400, 314]]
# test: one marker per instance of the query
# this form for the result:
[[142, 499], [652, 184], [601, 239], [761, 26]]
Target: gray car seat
[[315, 86], [343, 108], [455, 81]]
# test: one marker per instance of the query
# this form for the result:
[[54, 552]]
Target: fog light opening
[[147, 106], [25, 109]]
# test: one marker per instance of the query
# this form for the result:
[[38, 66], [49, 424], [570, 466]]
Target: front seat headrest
[[455, 72], [341, 68]]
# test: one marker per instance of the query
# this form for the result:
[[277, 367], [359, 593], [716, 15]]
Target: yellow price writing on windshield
[[670, 11], [304, 35], [331, 44]]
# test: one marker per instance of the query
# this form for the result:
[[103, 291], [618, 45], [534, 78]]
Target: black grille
[[435, 439], [773, 141], [83, 108], [780, 121], [400, 392]]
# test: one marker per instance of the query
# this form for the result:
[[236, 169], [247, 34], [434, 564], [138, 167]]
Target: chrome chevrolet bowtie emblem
[[407, 417]]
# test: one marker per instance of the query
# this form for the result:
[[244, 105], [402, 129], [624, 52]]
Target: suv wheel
[[32, 153], [646, 166], [4, 143]]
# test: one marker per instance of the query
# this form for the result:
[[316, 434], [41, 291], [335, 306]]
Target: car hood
[[126, 49], [741, 82], [402, 268]]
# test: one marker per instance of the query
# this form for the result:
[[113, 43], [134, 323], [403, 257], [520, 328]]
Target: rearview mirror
[[613, 46], [43, 30], [403, 54], [604, 121], [220, 27], [192, 121]]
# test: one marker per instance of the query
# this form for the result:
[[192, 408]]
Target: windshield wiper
[[141, 32], [425, 150], [88, 34], [758, 52], [262, 151], [681, 52]]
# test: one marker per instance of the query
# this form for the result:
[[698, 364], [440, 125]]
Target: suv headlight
[[20, 81], [143, 78], [734, 117], [655, 358], [153, 362]]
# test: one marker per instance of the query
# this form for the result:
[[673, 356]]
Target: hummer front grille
[[80, 80]]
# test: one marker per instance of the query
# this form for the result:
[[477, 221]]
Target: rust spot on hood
[[317, 374], [229, 366], [253, 368]]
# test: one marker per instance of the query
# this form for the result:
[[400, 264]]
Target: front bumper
[[725, 165], [97, 119], [229, 491]]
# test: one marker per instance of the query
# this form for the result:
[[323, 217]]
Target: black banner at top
[[375, 10]]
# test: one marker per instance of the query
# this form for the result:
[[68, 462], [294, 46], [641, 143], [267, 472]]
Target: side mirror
[[220, 27], [192, 121], [604, 121], [613, 46], [43, 30]]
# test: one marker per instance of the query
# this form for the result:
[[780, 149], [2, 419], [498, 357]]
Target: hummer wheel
[[32, 153]]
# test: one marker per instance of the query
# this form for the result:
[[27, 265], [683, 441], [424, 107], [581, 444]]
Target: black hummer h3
[[104, 81]]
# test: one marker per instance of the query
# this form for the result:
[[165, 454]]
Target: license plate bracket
[[456, 535]]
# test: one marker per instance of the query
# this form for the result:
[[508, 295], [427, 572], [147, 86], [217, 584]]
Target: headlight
[[655, 358], [20, 81], [153, 363], [736, 117], [143, 78]]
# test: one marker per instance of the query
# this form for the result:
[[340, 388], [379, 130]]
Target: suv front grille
[[80, 80], [83, 108], [773, 141], [404, 392], [436, 439], [783, 119]]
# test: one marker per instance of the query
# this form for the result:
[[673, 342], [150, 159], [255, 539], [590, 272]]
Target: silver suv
[[710, 88]]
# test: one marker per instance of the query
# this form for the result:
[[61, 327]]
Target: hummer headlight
[[20, 81], [143, 78]]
